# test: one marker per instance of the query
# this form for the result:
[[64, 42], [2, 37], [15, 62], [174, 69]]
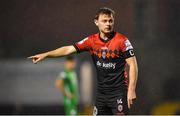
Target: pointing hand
[[38, 57]]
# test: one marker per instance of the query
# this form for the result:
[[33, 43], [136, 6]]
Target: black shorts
[[111, 104]]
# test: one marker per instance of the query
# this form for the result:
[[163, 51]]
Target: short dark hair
[[69, 58], [104, 10]]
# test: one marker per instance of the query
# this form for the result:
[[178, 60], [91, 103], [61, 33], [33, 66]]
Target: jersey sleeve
[[61, 75], [127, 48], [83, 45]]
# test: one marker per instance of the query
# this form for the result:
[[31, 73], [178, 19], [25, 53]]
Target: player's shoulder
[[93, 36], [62, 75], [120, 36]]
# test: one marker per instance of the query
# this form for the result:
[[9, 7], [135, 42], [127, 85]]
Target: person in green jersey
[[68, 85]]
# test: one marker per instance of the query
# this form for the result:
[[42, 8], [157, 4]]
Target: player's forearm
[[133, 75], [60, 87], [63, 51]]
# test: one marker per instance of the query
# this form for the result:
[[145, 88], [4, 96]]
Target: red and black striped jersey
[[109, 59]]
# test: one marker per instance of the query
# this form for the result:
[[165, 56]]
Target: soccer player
[[67, 84], [110, 51]]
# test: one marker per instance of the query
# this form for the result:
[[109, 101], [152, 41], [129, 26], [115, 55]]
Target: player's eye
[[110, 21], [104, 21]]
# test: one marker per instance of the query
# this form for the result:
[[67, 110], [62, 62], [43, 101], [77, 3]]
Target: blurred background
[[28, 27]]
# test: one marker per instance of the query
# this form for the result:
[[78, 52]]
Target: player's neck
[[106, 36]]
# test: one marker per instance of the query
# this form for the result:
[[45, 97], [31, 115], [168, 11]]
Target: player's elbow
[[68, 50], [132, 63]]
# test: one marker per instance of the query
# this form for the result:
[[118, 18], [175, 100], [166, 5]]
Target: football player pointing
[[110, 51]]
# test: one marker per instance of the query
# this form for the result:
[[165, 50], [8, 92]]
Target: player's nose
[[108, 23]]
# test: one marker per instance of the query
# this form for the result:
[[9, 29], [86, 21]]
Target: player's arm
[[133, 75], [62, 51], [60, 86]]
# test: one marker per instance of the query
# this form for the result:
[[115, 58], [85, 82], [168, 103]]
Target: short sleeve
[[61, 75], [127, 48], [83, 45]]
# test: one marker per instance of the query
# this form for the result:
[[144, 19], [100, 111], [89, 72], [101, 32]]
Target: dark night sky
[[31, 26]]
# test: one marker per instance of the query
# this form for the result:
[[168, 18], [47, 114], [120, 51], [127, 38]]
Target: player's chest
[[109, 45], [110, 49]]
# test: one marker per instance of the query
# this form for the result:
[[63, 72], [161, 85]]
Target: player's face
[[70, 65], [105, 23]]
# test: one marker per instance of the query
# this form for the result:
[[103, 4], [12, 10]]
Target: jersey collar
[[110, 37]]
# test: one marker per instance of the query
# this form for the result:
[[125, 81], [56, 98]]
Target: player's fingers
[[34, 56], [34, 60], [37, 60], [129, 105], [130, 102], [133, 100], [30, 57]]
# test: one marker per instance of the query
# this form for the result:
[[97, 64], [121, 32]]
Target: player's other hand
[[131, 97], [38, 57]]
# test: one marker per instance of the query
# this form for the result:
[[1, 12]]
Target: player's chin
[[108, 31]]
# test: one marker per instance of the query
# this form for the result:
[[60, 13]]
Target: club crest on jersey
[[104, 49], [103, 54]]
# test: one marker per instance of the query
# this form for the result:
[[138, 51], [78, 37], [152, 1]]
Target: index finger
[[129, 106], [30, 57], [130, 102]]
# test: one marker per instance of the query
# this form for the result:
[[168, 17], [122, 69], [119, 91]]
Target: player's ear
[[95, 21]]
